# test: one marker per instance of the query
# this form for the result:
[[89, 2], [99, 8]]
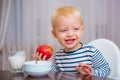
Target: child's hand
[[38, 56], [84, 69]]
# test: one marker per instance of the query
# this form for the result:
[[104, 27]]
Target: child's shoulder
[[89, 47]]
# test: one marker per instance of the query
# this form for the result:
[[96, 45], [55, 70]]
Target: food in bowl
[[39, 69]]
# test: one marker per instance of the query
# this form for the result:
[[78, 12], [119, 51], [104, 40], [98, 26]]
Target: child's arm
[[100, 66]]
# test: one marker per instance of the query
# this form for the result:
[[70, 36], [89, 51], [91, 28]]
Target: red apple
[[45, 50]]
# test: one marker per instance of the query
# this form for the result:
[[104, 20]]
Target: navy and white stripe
[[67, 61]]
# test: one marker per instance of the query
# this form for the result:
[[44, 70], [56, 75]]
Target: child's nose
[[70, 33]]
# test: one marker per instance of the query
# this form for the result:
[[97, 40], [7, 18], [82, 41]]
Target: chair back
[[111, 53]]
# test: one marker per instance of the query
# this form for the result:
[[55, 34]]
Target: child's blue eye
[[63, 30], [76, 28]]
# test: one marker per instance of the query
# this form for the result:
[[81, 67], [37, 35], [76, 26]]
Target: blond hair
[[66, 11]]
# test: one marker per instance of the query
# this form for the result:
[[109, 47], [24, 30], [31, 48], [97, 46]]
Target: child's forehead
[[63, 21], [68, 19], [67, 26]]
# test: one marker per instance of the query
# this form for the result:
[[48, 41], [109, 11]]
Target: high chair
[[111, 52]]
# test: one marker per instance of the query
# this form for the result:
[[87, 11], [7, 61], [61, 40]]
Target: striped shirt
[[67, 61]]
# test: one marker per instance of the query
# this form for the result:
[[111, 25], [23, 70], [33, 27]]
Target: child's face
[[68, 31]]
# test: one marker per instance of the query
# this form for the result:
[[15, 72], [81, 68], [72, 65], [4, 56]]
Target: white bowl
[[39, 69]]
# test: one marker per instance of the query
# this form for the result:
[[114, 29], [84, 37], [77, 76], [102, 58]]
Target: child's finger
[[88, 68], [88, 71], [40, 57], [81, 70], [44, 57], [37, 54], [83, 65], [33, 56]]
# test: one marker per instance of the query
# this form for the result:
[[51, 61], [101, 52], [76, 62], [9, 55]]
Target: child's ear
[[54, 33], [82, 28]]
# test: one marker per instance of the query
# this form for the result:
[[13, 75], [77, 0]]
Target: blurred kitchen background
[[25, 24]]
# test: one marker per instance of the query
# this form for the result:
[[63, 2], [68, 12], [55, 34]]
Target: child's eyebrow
[[77, 26]]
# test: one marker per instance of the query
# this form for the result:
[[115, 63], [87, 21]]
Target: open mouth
[[69, 41]]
